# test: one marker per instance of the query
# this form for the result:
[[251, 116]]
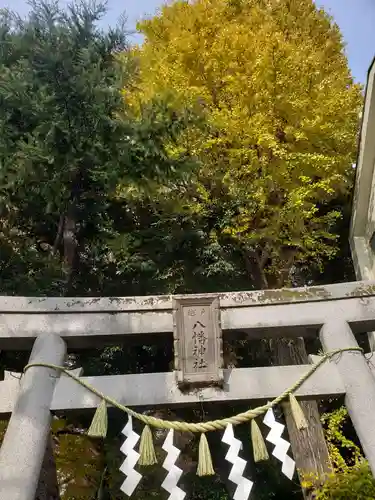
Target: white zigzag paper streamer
[[236, 474], [281, 445], [174, 473], [127, 468]]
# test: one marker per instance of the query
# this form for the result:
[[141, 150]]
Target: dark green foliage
[[67, 142]]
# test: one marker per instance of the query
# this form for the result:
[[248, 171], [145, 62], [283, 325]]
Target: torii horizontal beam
[[160, 389], [88, 322]]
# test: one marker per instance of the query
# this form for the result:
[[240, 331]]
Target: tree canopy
[[67, 142], [272, 80]]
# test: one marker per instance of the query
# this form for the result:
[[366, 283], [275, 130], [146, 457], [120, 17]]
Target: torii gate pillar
[[24, 445]]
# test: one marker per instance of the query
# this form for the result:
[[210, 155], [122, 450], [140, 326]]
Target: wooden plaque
[[197, 341]]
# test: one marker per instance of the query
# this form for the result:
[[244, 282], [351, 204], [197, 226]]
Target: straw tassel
[[99, 424], [259, 446], [297, 412], [205, 467], [146, 448]]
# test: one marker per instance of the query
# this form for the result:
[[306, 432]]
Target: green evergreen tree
[[67, 141]]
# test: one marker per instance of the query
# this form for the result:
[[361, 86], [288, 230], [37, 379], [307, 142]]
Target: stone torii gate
[[335, 313]]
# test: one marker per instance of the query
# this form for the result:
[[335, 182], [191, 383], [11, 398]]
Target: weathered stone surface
[[358, 380], [269, 318], [275, 313], [23, 449], [197, 341], [40, 305], [161, 389], [363, 208]]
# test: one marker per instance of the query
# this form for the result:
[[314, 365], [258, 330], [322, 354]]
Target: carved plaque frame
[[189, 312]]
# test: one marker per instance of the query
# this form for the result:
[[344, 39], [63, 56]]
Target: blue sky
[[356, 19]]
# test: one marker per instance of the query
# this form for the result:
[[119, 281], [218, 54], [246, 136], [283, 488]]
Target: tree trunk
[[309, 446], [48, 487]]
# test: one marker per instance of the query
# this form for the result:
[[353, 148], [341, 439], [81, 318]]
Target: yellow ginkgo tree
[[271, 80]]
